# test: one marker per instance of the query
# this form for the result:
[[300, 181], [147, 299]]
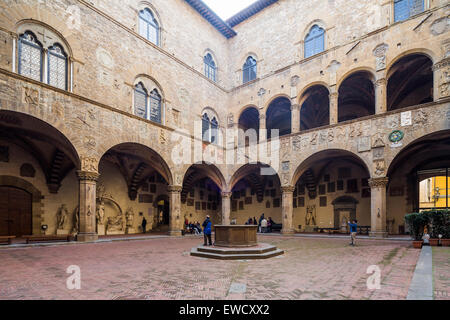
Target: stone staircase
[[262, 251]]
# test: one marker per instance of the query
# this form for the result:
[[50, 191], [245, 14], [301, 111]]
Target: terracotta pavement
[[163, 269]]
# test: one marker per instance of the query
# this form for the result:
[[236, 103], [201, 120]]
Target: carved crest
[[378, 140]]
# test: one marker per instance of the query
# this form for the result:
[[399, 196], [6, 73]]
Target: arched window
[[210, 129], [210, 67], [249, 70], [148, 26], [403, 9], [214, 130], [57, 67], [314, 41], [140, 101], [30, 56], [147, 106]]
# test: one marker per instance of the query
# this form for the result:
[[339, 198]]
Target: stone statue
[[101, 213], [310, 218], [115, 223], [61, 217], [130, 217], [160, 217]]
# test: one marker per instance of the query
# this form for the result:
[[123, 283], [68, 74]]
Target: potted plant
[[445, 240], [435, 218], [416, 222], [440, 227]]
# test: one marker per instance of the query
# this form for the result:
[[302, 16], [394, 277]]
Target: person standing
[[207, 232], [353, 230], [263, 225], [259, 222], [269, 225], [144, 224]]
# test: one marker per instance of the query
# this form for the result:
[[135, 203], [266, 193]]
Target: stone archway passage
[[343, 205], [20, 207]]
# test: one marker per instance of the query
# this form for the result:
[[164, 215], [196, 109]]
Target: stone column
[[226, 208], [295, 118], [262, 127], [378, 207], [287, 209], [380, 96], [334, 106], [175, 222], [87, 205]]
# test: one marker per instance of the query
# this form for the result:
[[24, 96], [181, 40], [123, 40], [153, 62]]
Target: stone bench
[[6, 239], [44, 238]]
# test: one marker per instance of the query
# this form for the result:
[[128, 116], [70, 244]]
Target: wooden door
[[15, 212]]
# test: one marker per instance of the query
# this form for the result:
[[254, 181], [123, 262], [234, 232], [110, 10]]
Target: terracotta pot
[[418, 244], [445, 242], [434, 242]]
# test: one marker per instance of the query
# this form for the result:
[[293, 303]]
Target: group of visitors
[[192, 228], [196, 228], [264, 225]]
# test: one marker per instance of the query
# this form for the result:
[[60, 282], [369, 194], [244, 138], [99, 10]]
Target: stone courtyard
[[161, 268]]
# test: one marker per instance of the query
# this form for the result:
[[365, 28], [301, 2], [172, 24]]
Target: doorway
[[15, 212]]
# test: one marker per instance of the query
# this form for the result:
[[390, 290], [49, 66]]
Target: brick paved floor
[[163, 269], [441, 273]]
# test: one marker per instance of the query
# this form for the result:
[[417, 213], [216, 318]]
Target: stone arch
[[16, 120], [148, 157], [278, 115], [314, 107], [410, 81], [356, 97], [249, 118], [273, 98], [307, 162], [37, 215], [344, 203], [245, 108], [242, 171], [206, 170], [348, 73], [424, 51], [417, 145], [308, 86], [159, 198]]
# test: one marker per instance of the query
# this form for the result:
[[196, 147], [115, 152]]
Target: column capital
[[295, 107], [287, 189], [333, 95], [380, 82], [87, 175], [378, 182], [262, 116], [226, 194], [441, 64], [174, 189]]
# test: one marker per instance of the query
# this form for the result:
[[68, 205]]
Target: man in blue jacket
[[207, 231], [353, 230]]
